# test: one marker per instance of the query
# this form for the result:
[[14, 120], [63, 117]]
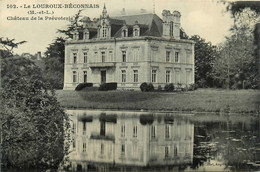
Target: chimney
[[123, 12], [142, 11], [171, 24], [39, 55]]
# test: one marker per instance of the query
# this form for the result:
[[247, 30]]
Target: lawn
[[201, 100]]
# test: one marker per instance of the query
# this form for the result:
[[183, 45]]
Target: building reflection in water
[[106, 139]]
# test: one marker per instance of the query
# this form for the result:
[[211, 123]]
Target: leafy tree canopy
[[34, 125], [238, 6], [205, 54], [236, 66], [55, 54]]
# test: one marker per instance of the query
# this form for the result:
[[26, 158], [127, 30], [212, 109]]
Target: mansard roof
[[150, 24]]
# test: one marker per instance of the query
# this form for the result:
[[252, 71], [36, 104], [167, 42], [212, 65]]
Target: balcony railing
[[101, 64]]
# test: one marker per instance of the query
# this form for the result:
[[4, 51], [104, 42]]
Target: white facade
[[130, 53]]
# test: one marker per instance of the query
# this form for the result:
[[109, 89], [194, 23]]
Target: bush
[[193, 87], [143, 87], [150, 87], [146, 87], [83, 85], [169, 87], [108, 86]]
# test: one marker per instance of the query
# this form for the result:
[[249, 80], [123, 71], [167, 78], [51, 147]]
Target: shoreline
[[256, 113], [218, 101]]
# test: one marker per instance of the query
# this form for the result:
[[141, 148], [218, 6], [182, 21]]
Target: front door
[[103, 77]]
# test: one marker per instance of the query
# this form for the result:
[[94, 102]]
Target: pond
[[151, 141]]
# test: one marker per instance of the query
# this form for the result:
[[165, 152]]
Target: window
[[86, 35], [135, 75], [175, 151], [74, 78], [73, 143], [103, 56], [104, 32], [176, 57], [153, 132], [102, 128], [135, 131], [84, 76], [102, 149], [81, 35], [85, 56], [153, 75], [123, 130], [74, 58], [136, 32], [123, 56], [84, 147], [168, 53], [125, 33], [168, 76], [166, 151], [171, 29], [123, 150], [123, 76], [167, 131], [73, 128], [84, 128]]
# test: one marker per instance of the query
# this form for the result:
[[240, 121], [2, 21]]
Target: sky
[[206, 18]]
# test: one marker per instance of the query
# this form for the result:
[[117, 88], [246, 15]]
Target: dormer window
[[86, 34], [81, 35], [76, 35], [136, 31], [124, 33]]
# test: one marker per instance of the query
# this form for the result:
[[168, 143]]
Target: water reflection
[[140, 141], [112, 140]]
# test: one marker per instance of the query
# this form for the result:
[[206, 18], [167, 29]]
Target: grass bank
[[210, 100]]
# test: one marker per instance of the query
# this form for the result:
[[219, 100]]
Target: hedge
[[169, 87], [146, 87], [108, 86], [83, 85]]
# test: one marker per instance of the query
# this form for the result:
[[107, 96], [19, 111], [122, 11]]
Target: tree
[[54, 61], [205, 54], [238, 6], [35, 130], [9, 44], [76, 23], [236, 67]]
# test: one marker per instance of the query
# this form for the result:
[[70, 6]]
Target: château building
[[130, 50]]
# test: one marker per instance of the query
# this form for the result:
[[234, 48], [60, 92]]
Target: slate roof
[[150, 25]]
